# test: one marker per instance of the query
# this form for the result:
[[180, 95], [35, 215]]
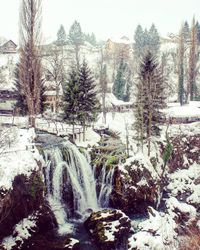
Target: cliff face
[[23, 209], [25, 198]]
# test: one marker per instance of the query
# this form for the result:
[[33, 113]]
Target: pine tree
[[153, 40], [126, 97], [139, 41], [186, 31], [150, 99], [71, 99], [76, 38], [120, 82], [61, 36], [89, 103], [93, 40], [198, 31]]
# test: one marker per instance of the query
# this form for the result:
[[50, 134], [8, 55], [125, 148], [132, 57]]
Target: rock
[[109, 228], [185, 151], [25, 198], [158, 232], [182, 212], [71, 244], [135, 188]]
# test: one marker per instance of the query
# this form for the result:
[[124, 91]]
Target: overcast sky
[[107, 18]]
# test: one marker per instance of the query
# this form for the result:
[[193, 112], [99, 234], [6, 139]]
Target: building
[[50, 100], [8, 47], [119, 47], [114, 105]]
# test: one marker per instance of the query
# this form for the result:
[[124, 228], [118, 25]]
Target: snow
[[91, 139], [21, 232], [188, 110], [117, 122], [194, 198], [156, 233], [183, 180], [122, 40], [173, 204], [111, 101], [144, 162], [18, 157], [198, 224], [72, 243], [109, 231]]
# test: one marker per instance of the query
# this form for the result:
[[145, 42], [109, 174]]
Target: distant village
[[9, 58]]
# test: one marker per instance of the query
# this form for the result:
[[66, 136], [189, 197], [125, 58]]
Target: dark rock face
[[136, 189], [50, 242], [25, 198], [109, 229]]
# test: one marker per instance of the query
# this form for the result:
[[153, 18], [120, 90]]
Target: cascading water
[[106, 178], [66, 160]]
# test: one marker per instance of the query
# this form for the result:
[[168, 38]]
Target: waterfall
[[68, 173], [106, 186]]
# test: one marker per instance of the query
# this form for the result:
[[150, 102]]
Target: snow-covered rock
[[109, 229], [155, 233]]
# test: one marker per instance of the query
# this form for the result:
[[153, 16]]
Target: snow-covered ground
[[188, 110], [18, 155]]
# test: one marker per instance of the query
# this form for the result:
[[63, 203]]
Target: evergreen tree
[[90, 38], [198, 31], [153, 40], [139, 41], [89, 103], [146, 40], [150, 99], [120, 82], [127, 94], [76, 38], [186, 31], [61, 36], [71, 98], [93, 39]]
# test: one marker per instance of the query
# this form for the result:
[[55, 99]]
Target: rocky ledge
[[109, 229]]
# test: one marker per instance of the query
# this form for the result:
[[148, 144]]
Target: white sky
[[107, 18]]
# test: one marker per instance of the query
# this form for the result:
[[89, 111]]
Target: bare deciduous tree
[[103, 83], [193, 60], [30, 73], [55, 69]]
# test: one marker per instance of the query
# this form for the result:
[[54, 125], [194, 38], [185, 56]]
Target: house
[[113, 104], [119, 47], [8, 47]]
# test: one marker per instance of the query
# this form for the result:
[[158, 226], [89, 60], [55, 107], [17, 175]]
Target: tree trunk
[[77, 56], [104, 107], [149, 133]]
